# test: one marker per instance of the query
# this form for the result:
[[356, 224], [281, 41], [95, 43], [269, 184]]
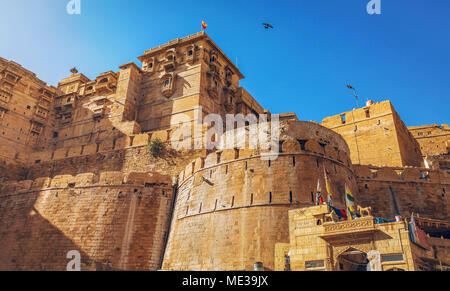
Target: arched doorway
[[352, 260]]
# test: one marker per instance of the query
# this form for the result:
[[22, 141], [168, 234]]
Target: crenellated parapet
[[115, 220], [402, 174], [104, 180], [242, 191], [395, 191]]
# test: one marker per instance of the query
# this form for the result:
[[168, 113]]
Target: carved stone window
[[190, 55], [168, 84], [213, 88], [149, 65], [170, 63], [5, 96], [228, 74], [36, 128], [40, 112]]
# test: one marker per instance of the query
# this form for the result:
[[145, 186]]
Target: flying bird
[[267, 26]]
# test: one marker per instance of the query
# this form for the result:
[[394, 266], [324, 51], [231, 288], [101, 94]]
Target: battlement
[[124, 142], [297, 138], [402, 174], [105, 179], [372, 111], [376, 135], [186, 40]]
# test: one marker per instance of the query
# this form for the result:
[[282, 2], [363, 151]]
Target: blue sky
[[303, 65]]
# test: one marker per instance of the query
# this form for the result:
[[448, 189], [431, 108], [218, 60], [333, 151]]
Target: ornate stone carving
[[168, 84]]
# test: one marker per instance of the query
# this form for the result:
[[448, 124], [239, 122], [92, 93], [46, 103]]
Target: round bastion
[[232, 207]]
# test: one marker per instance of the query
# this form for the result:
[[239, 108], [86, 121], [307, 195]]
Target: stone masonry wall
[[377, 136], [115, 221], [394, 191], [232, 207]]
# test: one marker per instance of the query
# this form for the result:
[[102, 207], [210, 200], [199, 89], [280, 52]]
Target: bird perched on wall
[[267, 26]]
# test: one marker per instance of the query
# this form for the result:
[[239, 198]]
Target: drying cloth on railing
[[379, 220]]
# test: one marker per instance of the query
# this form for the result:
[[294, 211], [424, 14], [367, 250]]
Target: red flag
[[204, 25]]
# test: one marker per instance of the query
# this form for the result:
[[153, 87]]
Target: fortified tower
[[377, 136], [193, 77], [25, 114], [232, 207]]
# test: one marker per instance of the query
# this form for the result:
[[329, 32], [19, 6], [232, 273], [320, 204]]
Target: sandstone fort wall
[[115, 221], [232, 207], [402, 191]]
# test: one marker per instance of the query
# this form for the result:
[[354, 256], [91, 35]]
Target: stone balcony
[[169, 65], [105, 88], [5, 97], [365, 225], [68, 100]]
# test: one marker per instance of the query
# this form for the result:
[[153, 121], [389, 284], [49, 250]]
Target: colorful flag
[[350, 201], [319, 198], [328, 185], [204, 25], [417, 235]]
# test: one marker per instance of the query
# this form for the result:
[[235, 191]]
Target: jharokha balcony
[[361, 226]]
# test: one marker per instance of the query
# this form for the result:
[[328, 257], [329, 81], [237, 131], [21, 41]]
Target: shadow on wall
[[115, 221], [27, 239]]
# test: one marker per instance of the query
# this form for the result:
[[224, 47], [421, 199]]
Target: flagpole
[[356, 96], [346, 206]]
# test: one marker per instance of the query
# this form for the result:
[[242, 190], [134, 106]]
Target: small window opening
[[302, 144], [290, 197], [343, 119]]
